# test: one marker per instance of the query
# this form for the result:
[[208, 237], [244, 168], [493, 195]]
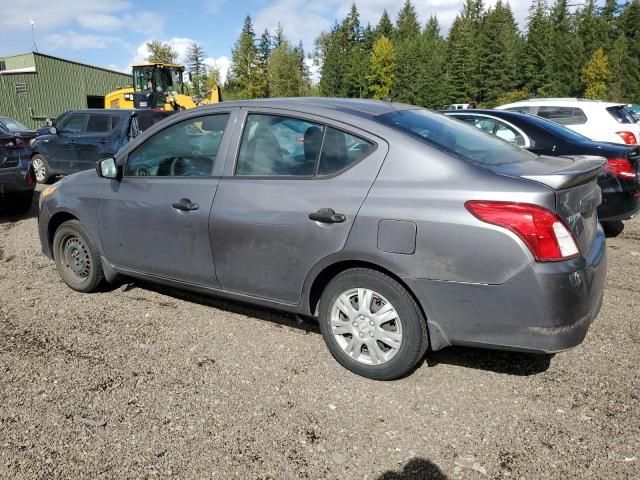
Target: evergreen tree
[[595, 75], [160, 52], [244, 79], [433, 72], [537, 61], [264, 52], [384, 27], [565, 45], [195, 56], [330, 53], [382, 69], [285, 77], [407, 25], [497, 62], [279, 37], [357, 59]]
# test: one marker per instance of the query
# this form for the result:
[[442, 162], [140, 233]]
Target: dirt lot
[[141, 382]]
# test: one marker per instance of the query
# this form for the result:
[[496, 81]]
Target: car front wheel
[[77, 258], [372, 325]]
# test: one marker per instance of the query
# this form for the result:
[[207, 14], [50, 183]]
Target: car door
[[288, 200], [91, 144], [61, 147], [155, 221]]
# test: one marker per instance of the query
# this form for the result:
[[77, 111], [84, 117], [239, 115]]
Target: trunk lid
[[574, 179]]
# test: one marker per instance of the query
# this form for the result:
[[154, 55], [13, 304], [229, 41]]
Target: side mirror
[[107, 168], [53, 130]]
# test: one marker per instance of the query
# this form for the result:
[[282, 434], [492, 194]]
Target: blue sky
[[112, 33]]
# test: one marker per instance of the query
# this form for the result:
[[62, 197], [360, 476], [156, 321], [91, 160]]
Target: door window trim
[[294, 115], [150, 133]]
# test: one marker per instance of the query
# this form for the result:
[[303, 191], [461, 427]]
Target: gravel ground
[[144, 382]]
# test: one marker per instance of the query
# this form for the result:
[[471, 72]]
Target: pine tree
[[279, 37], [195, 56], [384, 27], [433, 72], [497, 62], [407, 25], [160, 52], [565, 45], [264, 52], [382, 69], [357, 59], [537, 61], [285, 77], [595, 75], [330, 54], [243, 73]]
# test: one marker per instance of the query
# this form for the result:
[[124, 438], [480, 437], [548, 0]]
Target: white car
[[600, 121]]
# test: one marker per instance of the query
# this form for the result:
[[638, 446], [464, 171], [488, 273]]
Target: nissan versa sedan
[[398, 228]]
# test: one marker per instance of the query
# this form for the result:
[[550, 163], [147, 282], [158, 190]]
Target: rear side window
[[185, 149], [276, 146], [486, 124], [507, 133], [563, 115], [621, 114], [99, 124], [75, 123], [457, 138]]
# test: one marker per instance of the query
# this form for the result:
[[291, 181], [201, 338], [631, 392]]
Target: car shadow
[[497, 361], [510, 363], [306, 324], [6, 216], [415, 469]]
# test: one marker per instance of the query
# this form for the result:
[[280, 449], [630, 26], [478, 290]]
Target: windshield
[[13, 125], [161, 79], [458, 138]]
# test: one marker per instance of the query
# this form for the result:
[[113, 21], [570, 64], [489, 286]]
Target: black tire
[[77, 258], [21, 203], [613, 229], [414, 335], [42, 171]]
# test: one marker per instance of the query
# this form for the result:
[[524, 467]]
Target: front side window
[[75, 123], [455, 137], [185, 149], [275, 146], [563, 115]]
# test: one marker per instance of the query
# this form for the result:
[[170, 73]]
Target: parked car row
[[619, 181], [397, 227]]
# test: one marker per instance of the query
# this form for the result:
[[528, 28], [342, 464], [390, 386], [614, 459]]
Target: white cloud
[[214, 6], [140, 22], [53, 13], [78, 41], [222, 63]]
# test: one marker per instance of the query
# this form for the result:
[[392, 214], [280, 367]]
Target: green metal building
[[34, 87]]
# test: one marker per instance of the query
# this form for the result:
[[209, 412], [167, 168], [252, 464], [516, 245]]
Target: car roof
[[357, 107], [563, 102]]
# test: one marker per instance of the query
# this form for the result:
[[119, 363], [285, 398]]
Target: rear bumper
[[619, 206], [14, 179], [546, 307]]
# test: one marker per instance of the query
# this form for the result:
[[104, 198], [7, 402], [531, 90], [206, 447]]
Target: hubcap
[[76, 257], [38, 167], [366, 326]]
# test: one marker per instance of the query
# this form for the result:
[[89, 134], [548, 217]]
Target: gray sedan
[[398, 228]]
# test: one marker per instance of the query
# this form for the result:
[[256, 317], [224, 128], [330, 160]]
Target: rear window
[[13, 125], [563, 115], [458, 138], [621, 114], [521, 109]]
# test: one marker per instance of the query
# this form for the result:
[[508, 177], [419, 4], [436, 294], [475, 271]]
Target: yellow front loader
[[158, 86]]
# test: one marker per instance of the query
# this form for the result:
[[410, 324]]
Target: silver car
[[398, 228]]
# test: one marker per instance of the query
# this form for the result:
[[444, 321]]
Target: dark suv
[[17, 181], [81, 137]]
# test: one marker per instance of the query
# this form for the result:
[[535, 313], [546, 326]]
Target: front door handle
[[327, 215], [185, 205]]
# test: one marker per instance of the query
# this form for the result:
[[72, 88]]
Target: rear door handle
[[327, 215], [185, 205]]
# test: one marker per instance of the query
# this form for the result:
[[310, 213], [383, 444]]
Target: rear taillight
[[30, 177], [620, 167], [15, 142], [628, 137], [540, 229]]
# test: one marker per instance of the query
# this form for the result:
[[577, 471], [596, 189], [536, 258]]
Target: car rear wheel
[[41, 168], [612, 229], [77, 258], [372, 325]]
